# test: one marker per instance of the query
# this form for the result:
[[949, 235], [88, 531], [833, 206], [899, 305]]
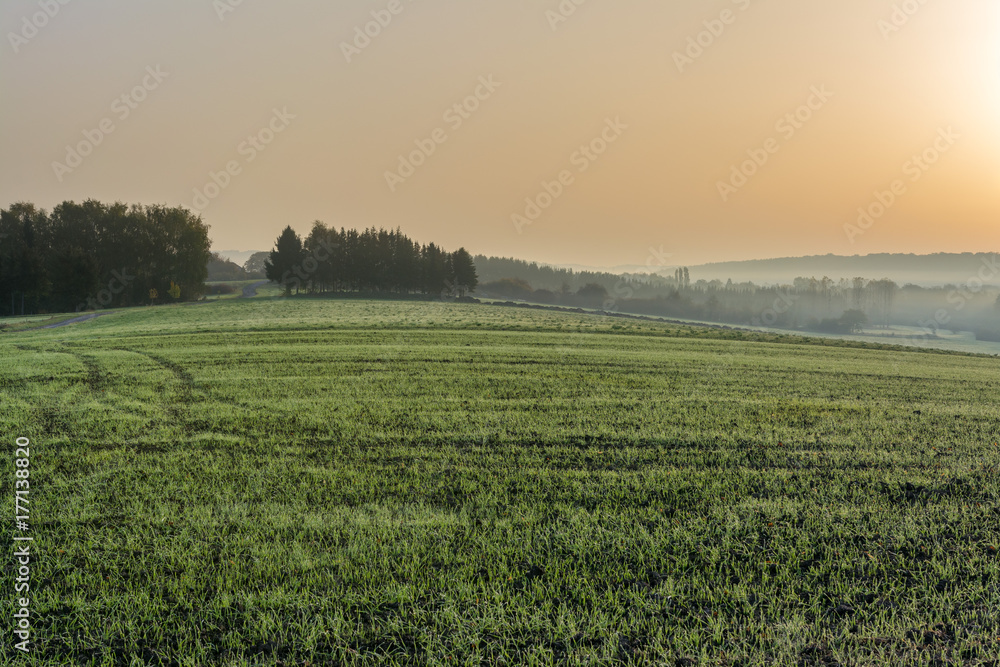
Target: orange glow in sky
[[559, 131]]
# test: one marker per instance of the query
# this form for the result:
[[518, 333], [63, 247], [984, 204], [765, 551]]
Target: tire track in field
[[176, 408], [189, 388], [49, 411], [98, 379], [187, 381], [183, 377]]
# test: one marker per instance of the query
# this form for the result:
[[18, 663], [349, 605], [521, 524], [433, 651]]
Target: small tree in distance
[[256, 264], [854, 320]]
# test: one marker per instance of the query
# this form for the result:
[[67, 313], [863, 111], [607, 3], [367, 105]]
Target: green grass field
[[309, 482]]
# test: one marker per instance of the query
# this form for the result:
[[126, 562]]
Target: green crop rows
[[295, 482]]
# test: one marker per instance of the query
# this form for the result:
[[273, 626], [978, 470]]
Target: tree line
[[347, 260], [95, 255], [562, 280]]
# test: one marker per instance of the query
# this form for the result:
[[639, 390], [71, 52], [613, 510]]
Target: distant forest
[[804, 304], [492, 269], [94, 255]]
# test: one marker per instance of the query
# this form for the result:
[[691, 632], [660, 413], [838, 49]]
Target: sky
[[582, 132]]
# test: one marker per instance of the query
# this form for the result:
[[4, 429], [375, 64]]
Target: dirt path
[[248, 292], [251, 290], [75, 320]]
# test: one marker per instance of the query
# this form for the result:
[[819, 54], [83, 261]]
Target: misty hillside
[[547, 277], [239, 257], [925, 270]]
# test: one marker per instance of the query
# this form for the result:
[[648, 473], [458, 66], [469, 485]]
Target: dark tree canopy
[[94, 255], [463, 268], [372, 260], [285, 258]]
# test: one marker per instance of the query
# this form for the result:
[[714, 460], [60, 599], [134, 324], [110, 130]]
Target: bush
[[511, 288], [850, 322]]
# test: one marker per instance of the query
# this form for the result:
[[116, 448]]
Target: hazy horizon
[[973, 269], [249, 251], [828, 108]]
